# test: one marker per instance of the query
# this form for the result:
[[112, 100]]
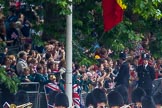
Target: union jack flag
[[48, 88], [76, 96], [52, 86]]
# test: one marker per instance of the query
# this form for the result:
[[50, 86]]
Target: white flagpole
[[69, 56]]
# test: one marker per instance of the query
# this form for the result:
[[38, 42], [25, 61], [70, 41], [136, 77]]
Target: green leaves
[[148, 8], [158, 14], [63, 4], [117, 45], [37, 40], [10, 82], [156, 2], [86, 61], [140, 17]]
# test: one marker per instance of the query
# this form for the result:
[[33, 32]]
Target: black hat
[[145, 56], [158, 98], [89, 100], [123, 91], [115, 99], [99, 96], [137, 94], [122, 55], [61, 99], [148, 102]]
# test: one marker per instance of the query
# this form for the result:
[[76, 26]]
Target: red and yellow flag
[[112, 13]]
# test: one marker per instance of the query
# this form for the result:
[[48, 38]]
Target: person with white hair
[[22, 63]]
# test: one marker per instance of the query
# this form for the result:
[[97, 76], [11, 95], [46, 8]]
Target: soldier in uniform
[[89, 101], [115, 100], [99, 98], [61, 100], [148, 102], [96, 99], [158, 99], [123, 92], [146, 74], [136, 95]]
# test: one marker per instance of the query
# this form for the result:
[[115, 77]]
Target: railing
[[38, 99], [32, 89]]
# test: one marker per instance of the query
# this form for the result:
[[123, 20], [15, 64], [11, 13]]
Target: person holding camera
[[146, 74]]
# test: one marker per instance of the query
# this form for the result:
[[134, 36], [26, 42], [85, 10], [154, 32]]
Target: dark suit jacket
[[123, 75]]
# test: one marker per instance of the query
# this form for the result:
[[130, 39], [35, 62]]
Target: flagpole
[[68, 89]]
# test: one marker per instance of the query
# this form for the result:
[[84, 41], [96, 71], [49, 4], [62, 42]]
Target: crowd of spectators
[[107, 77], [15, 23], [50, 67]]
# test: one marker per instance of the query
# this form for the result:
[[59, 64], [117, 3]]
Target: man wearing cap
[[146, 74], [123, 75]]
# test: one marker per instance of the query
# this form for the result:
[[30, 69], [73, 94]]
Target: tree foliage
[[10, 82], [140, 18]]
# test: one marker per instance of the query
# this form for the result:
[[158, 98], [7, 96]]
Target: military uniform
[[61, 100], [145, 77]]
